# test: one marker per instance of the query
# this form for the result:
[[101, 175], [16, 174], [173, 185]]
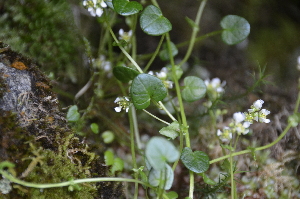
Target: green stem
[[194, 33], [166, 110], [125, 52], [68, 183], [163, 121], [132, 144]]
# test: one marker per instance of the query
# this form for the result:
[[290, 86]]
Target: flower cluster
[[95, 7], [215, 88], [242, 121], [256, 113], [123, 102]]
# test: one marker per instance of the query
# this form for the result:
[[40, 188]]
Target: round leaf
[[159, 151], [124, 74], [125, 7], [108, 137], [146, 87], [108, 158], [197, 161], [153, 22], [73, 115], [236, 29], [95, 128], [194, 89], [156, 177]]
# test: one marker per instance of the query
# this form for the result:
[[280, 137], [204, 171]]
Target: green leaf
[[171, 131], [73, 115], [118, 165], [172, 195], [109, 158], [95, 128], [125, 7], [236, 29], [197, 161], [159, 151], [124, 74], [146, 87], [161, 177], [191, 22], [164, 53], [207, 180], [108, 137], [226, 166], [153, 22], [194, 89]]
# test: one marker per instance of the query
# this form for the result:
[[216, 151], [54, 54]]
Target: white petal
[[219, 132], [258, 103], [121, 32], [118, 109], [99, 12], [215, 82], [239, 117], [117, 99], [265, 111], [267, 121], [103, 4], [246, 124]]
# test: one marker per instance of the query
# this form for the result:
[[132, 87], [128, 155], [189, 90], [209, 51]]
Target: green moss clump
[[54, 168]]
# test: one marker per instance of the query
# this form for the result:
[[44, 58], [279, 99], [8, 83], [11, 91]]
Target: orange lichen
[[43, 85], [19, 65]]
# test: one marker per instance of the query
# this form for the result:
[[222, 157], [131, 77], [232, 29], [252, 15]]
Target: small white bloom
[[226, 135], [125, 35], [117, 100], [214, 87], [150, 72], [95, 7], [258, 104], [239, 117], [265, 112], [163, 73]]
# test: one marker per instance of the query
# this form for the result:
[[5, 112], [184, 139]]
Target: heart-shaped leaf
[[171, 131], [236, 29], [164, 53], [153, 22], [145, 87], [163, 176], [73, 115], [197, 161], [125, 7], [124, 74], [194, 89], [159, 151]]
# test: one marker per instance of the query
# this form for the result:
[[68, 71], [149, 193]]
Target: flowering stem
[[132, 133], [287, 128], [166, 110]]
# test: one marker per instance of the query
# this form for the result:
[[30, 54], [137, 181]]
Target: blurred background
[[62, 37]]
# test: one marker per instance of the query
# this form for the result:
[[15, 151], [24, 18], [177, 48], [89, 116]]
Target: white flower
[[123, 102], [239, 117], [163, 73], [258, 104], [150, 72], [214, 87], [125, 35], [226, 135]]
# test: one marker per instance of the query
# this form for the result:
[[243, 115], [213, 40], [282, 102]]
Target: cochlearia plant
[[170, 93]]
